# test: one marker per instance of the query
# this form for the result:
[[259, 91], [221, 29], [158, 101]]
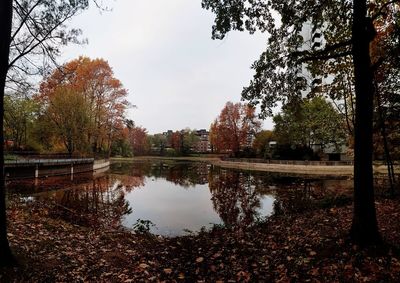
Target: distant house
[[203, 144], [272, 144], [331, 152]]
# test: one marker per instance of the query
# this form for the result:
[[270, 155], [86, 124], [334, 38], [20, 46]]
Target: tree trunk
[[382, 127], [364, 230], [6, 257]]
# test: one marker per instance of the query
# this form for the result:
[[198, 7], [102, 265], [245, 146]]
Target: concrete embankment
[[339, 170], [101, 164], [301, 169], [38, 168]]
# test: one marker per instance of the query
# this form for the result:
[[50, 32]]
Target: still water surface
[[176, 197]]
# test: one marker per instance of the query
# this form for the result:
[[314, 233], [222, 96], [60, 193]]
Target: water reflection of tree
[[187, 175], [97, 203], [127, 183], [305, 194], [184, 174], [235, 196]]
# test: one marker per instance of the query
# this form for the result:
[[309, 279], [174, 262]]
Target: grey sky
[[163, 53]]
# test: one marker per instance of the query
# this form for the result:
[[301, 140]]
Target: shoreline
[[283, 248], [310, 170]]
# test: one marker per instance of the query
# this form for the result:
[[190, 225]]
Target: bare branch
[[23, 20]]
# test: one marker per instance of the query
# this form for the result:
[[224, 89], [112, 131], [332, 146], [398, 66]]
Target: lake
[[173, 198]]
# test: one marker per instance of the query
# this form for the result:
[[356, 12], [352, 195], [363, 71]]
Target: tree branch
[[379, 13], [23, 20]]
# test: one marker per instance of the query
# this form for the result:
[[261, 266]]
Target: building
[[203, 144]]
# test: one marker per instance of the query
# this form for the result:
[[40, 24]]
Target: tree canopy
[[313, 122], [235, 128], [101, 97], [346, 30]]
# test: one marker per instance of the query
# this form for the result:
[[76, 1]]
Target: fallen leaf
[[168, 270]]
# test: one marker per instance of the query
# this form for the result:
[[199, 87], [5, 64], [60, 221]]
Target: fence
[[289, 162]]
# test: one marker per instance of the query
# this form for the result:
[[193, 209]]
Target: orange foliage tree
[[234, 129], [138, 140], [94, 81], [176, 141]]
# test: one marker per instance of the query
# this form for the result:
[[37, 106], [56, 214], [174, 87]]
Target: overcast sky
[[162, 51]]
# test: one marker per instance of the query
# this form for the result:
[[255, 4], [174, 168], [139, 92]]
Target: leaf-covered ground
[[308, 247]]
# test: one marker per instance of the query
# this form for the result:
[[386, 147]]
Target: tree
[[138, 140], [20, 115], [235, 128], [348, 29], [68, 114], [385, 50], [158, 143], [314, 122], [215, 141], [176, 141], [6, 257], [104, 94], [261, 143], [36, 28]]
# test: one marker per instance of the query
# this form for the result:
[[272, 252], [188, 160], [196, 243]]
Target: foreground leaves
[[302, 247]]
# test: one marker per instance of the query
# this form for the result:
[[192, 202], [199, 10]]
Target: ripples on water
[[174, 196]]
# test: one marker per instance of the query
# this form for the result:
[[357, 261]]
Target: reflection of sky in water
[[173, 208], [170, 207], [267, 205], [174, 196]]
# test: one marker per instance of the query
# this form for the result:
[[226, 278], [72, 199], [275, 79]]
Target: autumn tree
[[121, 145], [235, 128], [176, 141], [138, 140], [67, 113], [347, 28], [214, 138], [29, 36], [105, 96], [385, 51]]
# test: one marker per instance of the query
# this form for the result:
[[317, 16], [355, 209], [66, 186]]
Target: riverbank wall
[[42, 168], [313, 168]]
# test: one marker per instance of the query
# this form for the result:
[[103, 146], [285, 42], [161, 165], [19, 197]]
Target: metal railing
[[289, 162], [48, 161]]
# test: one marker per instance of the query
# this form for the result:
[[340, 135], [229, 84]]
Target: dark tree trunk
[[6, 257], [382, 127], [364, 230]]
